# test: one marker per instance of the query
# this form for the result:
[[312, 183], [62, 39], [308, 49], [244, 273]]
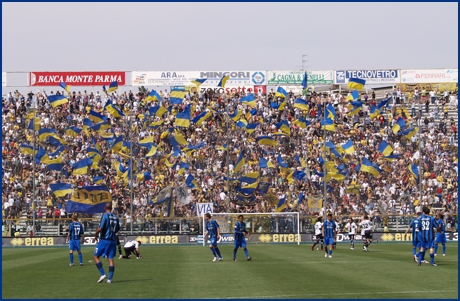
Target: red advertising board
[[76, 78]]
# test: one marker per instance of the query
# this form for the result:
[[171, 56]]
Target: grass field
[[276, 271]]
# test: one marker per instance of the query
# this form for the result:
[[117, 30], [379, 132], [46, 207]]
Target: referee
[[130, 247]]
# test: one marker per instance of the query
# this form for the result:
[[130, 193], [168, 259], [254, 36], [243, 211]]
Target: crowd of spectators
[[394, 191]]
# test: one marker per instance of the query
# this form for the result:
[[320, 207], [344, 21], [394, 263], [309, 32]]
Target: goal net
[[275, 227]]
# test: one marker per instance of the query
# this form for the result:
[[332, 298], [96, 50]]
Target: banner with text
[[228, 90], [203, 208], [372, 77], [429, 76], [428, 87], [76, 78], [184, 78], [295, 77], [3, 79]]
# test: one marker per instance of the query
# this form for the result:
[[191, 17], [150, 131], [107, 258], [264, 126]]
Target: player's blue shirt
[[240, 229], [211, 227], [109, 226], [329, 227], [76, 230], [426, 227], [441, 226], [415, 225]]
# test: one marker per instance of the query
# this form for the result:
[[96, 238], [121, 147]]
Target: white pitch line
[[338, 294]]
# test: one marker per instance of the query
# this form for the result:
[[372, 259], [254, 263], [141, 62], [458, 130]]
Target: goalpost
[[258, 223]]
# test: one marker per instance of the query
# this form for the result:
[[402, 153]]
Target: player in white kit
[[351, 226], [318, 233], [366, 232]]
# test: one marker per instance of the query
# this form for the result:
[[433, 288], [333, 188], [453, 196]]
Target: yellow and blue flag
[[157, 110], [98, 179], [375, 112], [41, 156], [145, 176], [177, 140], [203, 116], [57, 100], [96, 117], [199, 81], [89, 199], [249, 178], [223, 81], [154, 96], [183, 118], [249, 100], [73, 131], [250, 128], [399, 125], [280, 92], [385, 148], [356, 83], [409, 133], [235, 116], [266, 140], [383, 103], [348, 147], [44, 133], [176, 97], [61, 189], [301, 123], [281, 204], [117, 144], [27, 149], [281, 163], [368, 166], [413, 170], [81, 167], [113, 87], [239, 163], [87, 124], [241, 123], [391, 157], [113, 110], [34, 124], [301, 104], [64, 86], [328, 125], [330, 112], [284, 127], [191, 182]]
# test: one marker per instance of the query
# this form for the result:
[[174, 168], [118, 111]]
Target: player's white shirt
[[131, 243], [318, 228], [366, 225], [351, 228]]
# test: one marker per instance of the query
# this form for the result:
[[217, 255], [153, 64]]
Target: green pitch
[[276, 271]]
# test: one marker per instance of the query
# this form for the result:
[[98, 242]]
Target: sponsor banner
[[36, 241], [257, 238], [260, 88], [228, 90], [429, 76], [76, 78], [428, 87], [295, 77], [159, 239], [372, 77], [203, 208], [184, 78], [3, 79]]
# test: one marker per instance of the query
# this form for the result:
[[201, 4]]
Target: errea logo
[[265, 238]]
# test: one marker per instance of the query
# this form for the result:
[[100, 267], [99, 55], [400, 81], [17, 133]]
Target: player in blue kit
[[440, 235], [212, 228], [329, 229], [240, 238], [107, 244], [414, 225], [75, 235], [426, 227]]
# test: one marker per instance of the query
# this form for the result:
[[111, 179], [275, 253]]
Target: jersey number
[[425, 226]]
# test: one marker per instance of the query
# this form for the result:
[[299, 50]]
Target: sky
[[226, 36]]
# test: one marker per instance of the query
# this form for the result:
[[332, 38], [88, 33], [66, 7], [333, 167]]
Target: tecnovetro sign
[[384, 76], [184, 78]]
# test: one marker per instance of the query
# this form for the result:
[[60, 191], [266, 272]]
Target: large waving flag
[[73, 131], [57, 100], [368, 166], [89, 199], [44, 133], [284, 127], [280, 92], [301, 104], [113, 110], [250, 128], [301, 123], [249, 178], [199, 81], [223, 81], [328, 125], [96, 117], [64, 86], [61, 189], [281, 163], [413, 170], [191, 182], [385, 148], [399, 125], [154, 96], [157, 110], [375, 112], [203, 116], [183, 118], [113, 87], [330, 112], [34, 124], [249, 100], [27, 149], [239, 163], [281, 204], [235, 116], [356, 83], [409, 133], [266, 140], [383, 103], [176, 97], [81, 167], [348, 147]]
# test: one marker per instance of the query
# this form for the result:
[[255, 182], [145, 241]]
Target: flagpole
[[33, 177], [324, 168], [420, 159], [131, 167], [228, 158]]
